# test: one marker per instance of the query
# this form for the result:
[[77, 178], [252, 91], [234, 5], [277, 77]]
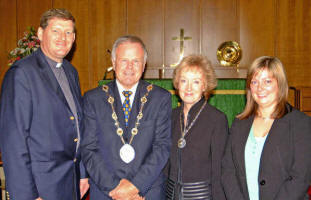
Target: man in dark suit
[[127, 128], [40, 115]]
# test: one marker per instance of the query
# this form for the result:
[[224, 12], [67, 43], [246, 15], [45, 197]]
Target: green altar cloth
[[229, 96]]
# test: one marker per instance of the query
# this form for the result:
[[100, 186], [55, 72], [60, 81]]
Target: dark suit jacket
[[285, 166], [101, 144], [37, 131], [206, 140]]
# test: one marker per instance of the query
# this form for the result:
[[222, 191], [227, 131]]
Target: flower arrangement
[[25, 46]]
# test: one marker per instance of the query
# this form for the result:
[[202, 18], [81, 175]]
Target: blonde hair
[[201, 63], [274, 66]]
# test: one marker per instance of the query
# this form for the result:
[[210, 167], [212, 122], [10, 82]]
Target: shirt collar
[[194, 109], [121, 88]]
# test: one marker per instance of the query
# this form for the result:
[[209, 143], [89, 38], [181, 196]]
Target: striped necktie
[[126, 106]]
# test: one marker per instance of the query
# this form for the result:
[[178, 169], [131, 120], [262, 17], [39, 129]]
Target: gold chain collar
[[114, 116]]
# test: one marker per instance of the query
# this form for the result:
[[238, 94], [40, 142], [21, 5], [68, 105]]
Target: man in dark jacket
[[40, 115], [127, 130]]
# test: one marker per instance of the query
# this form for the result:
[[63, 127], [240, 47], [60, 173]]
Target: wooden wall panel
[[29, 13], [182, 14], [79, 54], [293, 41], [8, 37], [257, 29], [145, 19], [220, 23], [263, 27], [107, 22]]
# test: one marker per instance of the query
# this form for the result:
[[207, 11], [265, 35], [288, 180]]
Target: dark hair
[[200, 63], [131, 39], [56, 13], [275, 67]]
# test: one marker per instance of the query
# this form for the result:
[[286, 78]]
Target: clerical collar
[[53, 63]]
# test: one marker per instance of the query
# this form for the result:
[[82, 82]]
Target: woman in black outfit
[[199, 133]]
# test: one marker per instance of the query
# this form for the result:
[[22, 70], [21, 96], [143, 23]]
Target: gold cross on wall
[[181, 38]]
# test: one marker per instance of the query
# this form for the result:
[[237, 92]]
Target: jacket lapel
[[240, 148], [48, 77], [279, 129], [114, 92], [239, 145], [140, 91]]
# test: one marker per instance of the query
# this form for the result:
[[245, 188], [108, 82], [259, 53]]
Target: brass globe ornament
[[229, 53]]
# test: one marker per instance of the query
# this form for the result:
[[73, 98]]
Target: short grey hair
[[131, 39]]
